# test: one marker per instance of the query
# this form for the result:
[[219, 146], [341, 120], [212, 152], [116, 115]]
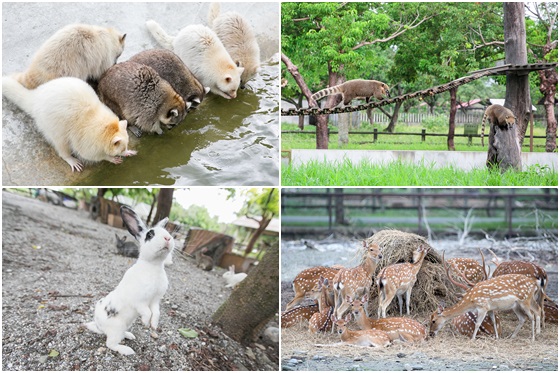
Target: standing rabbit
[[141, 288], [126, 248]]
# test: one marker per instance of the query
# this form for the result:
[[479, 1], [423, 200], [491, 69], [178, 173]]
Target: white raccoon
[[204, 54]]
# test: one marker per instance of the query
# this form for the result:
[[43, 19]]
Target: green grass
[[398, 173], [398, 142]]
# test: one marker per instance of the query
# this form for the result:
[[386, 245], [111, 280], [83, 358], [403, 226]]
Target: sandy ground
[[447, 351], [56, 263]]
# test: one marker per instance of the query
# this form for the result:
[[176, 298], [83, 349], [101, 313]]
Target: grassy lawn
[[398, 173], [398, 142]]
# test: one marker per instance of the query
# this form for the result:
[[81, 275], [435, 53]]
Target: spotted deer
[[297, 314], [528, 269], [321, 321], [397, 328], [507, 292], [306, 280], [398, 279], [472, 270], [366, 338], [355, 282], [465, 323], [551, 310]]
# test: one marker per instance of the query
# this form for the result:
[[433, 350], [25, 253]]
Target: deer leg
[[408, 294], [520, 315], [493, 317], [399, 297], [295, 302], [481, 314]]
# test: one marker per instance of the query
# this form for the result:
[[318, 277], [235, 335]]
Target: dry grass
[[446, 347], [432, 285]]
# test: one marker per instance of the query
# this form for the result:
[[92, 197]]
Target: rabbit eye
[[150, 235]]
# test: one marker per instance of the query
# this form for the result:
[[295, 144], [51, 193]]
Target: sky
[[214, 199]]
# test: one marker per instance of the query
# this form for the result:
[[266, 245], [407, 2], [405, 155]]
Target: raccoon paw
[[135, 131], [116, 160]]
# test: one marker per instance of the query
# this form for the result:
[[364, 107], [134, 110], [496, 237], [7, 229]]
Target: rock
[[293, 361], [174, 307], [162, 348], [504, 367], [288, 367], [272, 334], [401, 355], [358, 359], [260, 347], [407, 367], [318, 357], [250, 354], [43, 359]]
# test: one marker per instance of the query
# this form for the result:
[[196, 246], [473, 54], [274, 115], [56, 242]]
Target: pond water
[[222, 142]]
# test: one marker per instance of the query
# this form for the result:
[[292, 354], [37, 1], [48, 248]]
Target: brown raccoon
[[171, 68], [138, 94], [497, 114], [357, 88]]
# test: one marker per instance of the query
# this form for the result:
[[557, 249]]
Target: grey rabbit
[[126, 248]]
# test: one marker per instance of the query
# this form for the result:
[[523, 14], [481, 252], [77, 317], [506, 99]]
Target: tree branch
[[401, 30], [293, 69]]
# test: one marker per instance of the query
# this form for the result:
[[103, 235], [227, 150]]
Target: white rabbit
[[233, 278], [141, 288]]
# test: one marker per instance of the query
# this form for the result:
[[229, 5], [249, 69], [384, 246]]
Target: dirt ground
[[56, 263], [447, 351]]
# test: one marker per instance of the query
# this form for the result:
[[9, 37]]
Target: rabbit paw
[[122, 349], [154, 335], [129, 335]]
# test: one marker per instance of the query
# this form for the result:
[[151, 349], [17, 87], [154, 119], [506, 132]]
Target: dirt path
[[57, 263], [445, 352]]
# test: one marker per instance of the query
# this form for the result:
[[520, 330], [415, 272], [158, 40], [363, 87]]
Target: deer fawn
[[356, 281], [306, 280], [321, 321], [508, 292], [398, 279], [466, 322], [293, 316], [397, 328], [365, 338]]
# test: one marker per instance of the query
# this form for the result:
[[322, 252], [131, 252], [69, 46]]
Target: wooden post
[[374, 135], [531, 130], [423, 134]]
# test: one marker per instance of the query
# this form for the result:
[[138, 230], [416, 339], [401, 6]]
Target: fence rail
[[491, 201]]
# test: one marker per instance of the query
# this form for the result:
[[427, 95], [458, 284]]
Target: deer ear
[[440, 307], [333, 318], [348, 299], [364, 298], [347, 318]]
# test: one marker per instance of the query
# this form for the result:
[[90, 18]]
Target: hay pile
[[432, 285]]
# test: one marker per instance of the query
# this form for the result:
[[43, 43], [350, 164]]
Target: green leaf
[[188, 333], [54, 353]]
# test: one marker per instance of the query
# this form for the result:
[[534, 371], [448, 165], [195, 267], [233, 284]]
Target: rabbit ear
[[162, 223], [132, 222]]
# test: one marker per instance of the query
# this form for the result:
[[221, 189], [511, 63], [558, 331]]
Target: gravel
[[57, 263]]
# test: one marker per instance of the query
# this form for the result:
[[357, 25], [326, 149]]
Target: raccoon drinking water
[[138, 94], [80, 51], [237, 36], [205, 56], [170, 67]]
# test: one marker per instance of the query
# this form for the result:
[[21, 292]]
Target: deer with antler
[[473, 271], [398, 279], [355, 282], [397, 328], [508, 292], [306, 280], [528, 269], [365, 338], [321, 321], [466, 323]]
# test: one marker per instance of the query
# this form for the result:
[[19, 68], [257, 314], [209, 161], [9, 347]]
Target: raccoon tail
[[482, 129], [324, 92], [163, 38], [213, 13], [17, 93]]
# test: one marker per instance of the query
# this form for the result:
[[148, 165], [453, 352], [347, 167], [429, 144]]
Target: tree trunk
[[548, 87], [263, 223], [322, 129], [504, 143], [518, 98], [154, 199], [164, 203], [395, 117], [452, 114], [253, 303], [339, 207]]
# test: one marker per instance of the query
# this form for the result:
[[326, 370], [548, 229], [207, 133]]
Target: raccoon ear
[[117, 140], [206, 89], [122, 38], [123, 124], [240, 70], [228, 79], [189, 104], [173, 113]]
